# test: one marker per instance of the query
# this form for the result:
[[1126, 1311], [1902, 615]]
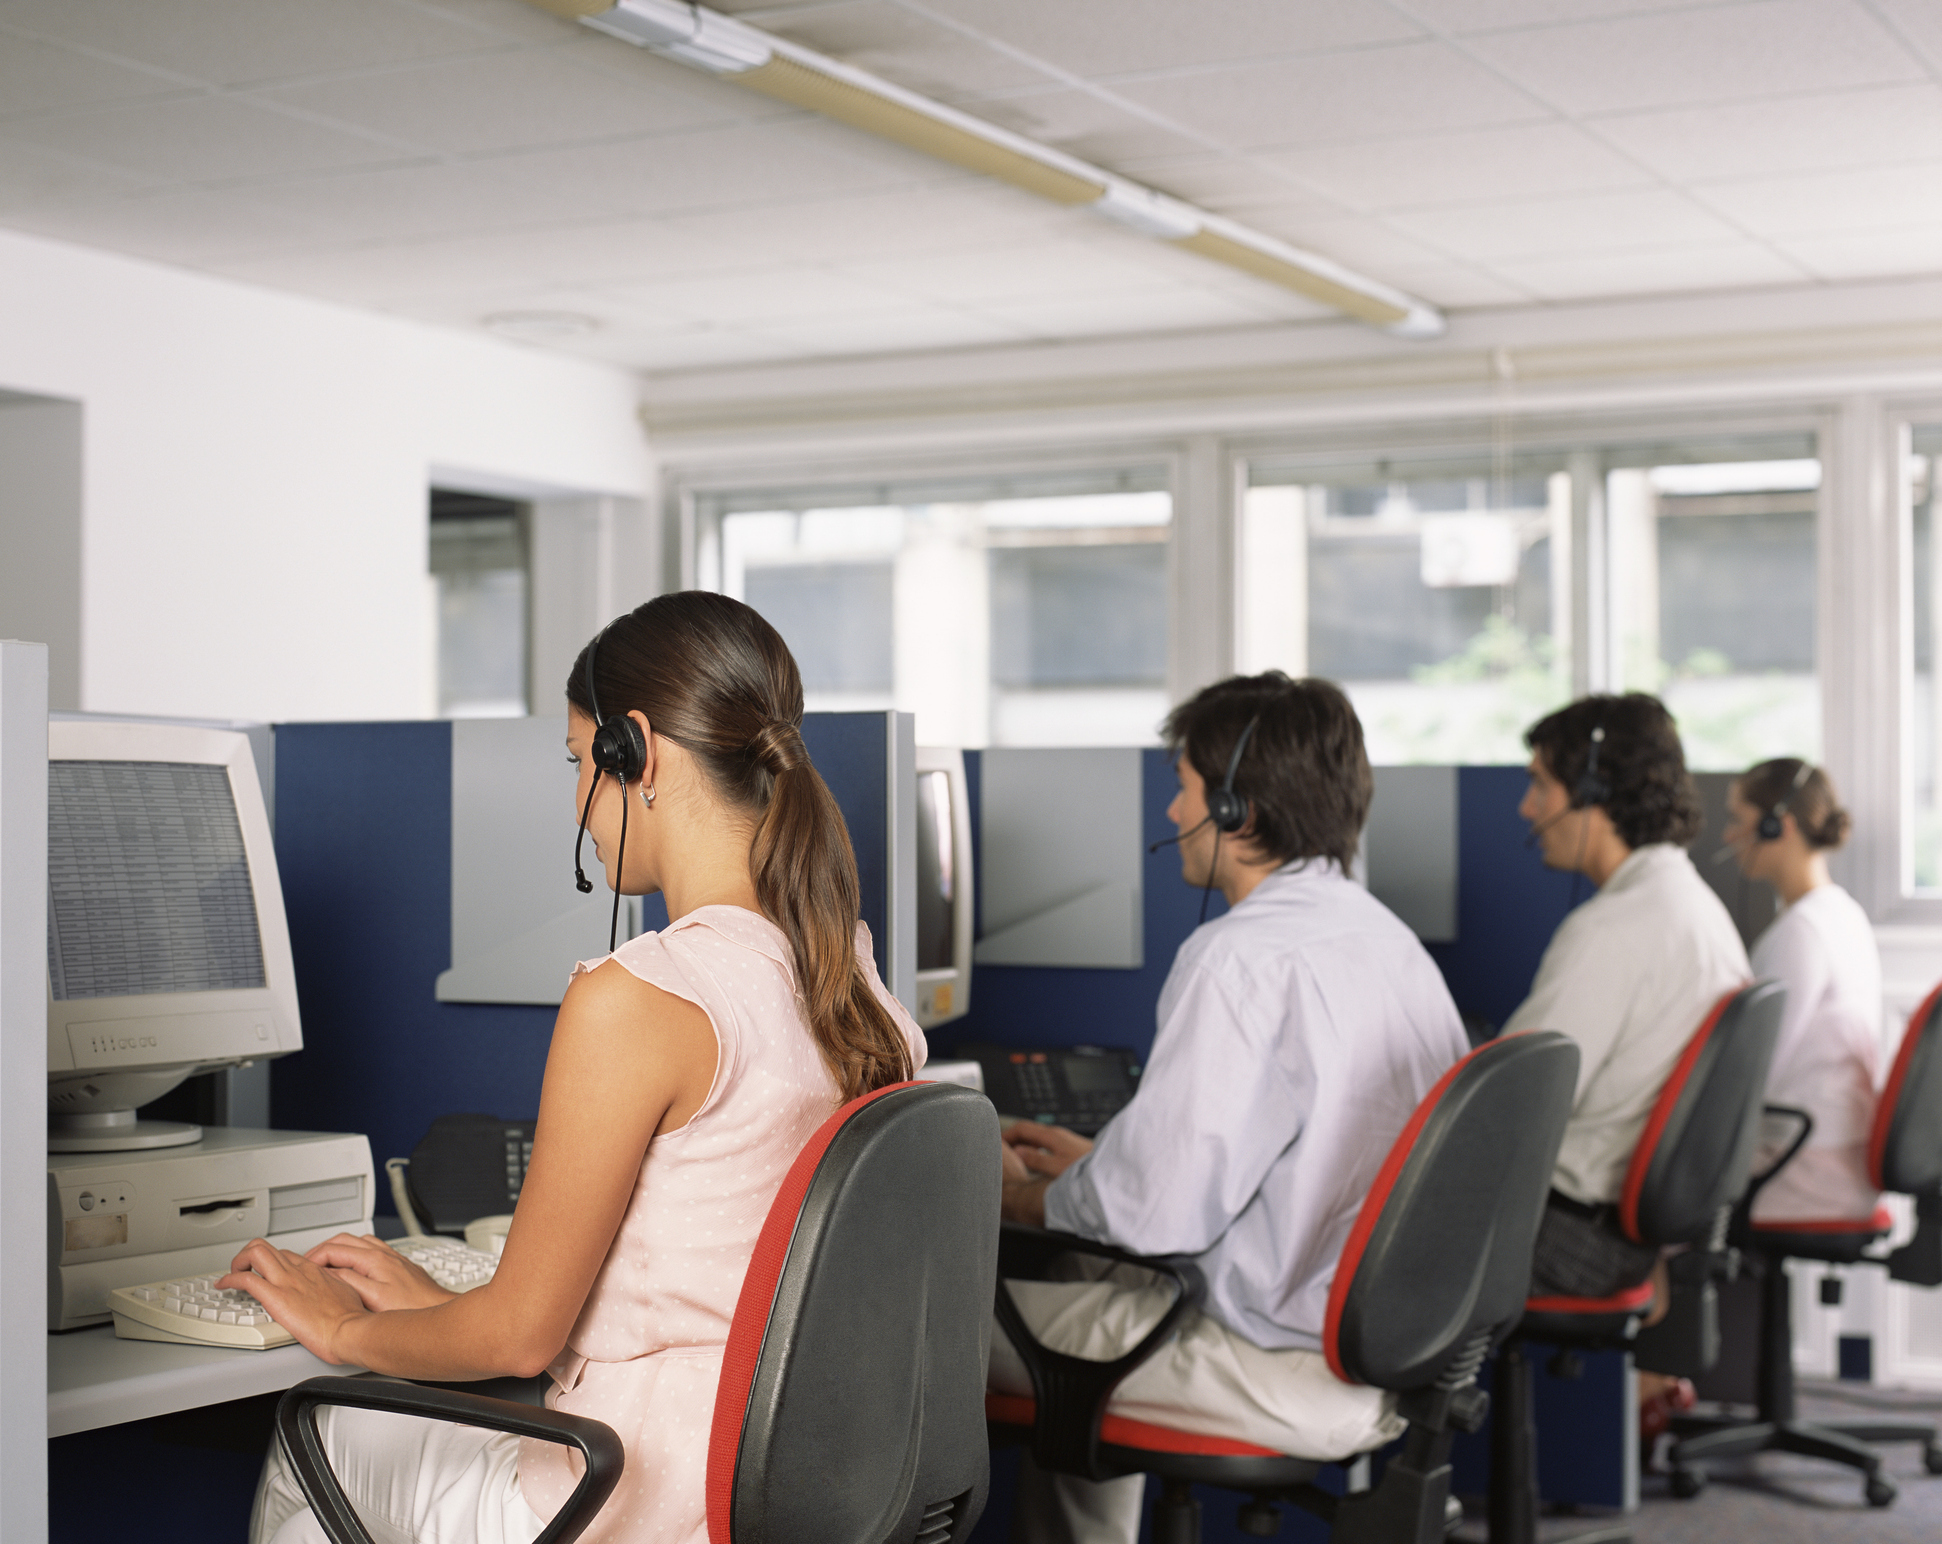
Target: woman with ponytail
[[1783, 821], [686, 1071]]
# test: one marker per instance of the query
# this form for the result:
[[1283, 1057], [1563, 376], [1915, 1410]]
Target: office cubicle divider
[[363, 839]]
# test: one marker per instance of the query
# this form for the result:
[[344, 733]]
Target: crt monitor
[[944, 893], [167, 952]]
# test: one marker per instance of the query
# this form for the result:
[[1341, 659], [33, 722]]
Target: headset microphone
[[1168, 841]]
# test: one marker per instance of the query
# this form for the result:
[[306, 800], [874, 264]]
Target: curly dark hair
[[1646, 789], [1305, 774], [1807, 793]]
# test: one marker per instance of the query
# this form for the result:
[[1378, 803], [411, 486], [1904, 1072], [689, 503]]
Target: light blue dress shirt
[[1297, 1034]]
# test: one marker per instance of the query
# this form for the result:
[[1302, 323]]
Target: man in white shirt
[[1296, 1035], [1630, 975]]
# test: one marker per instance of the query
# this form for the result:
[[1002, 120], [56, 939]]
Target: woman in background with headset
[[686, 1071], [1783, 820]]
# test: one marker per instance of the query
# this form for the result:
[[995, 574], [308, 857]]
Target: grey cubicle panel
[[519, 925], [1060, 858], [1409, 848]]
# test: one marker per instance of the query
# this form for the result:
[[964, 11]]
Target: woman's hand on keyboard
[[307, 1300], [380, 1276]]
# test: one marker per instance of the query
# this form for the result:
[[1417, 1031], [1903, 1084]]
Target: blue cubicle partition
[[1508, 905], [363, 840]]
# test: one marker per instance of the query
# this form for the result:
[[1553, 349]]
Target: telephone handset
[[1080, 1087], [466, 1167]]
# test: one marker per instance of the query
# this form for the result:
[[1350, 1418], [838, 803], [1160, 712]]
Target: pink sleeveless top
[[646, 1353]]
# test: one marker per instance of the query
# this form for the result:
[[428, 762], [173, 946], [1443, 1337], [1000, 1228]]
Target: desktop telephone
[[1080, 1087], [466, 1167]]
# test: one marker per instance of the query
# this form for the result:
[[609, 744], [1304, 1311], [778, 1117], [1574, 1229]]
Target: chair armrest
[[296, 1429], [1743, 1208], [1071, 1391]]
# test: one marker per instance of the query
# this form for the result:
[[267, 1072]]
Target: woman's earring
[[647, 794]]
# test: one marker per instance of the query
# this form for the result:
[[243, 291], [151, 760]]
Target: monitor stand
[[116, 1131]]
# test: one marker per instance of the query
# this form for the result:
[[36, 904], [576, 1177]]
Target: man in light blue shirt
[[1296, 1035]]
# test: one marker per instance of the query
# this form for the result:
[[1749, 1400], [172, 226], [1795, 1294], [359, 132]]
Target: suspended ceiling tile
[[1826, 203], [905, 46], [1838, 255], [899, 223], [32, 179], [976, 276], [1702, 54], [1168, 309], [1652, 218], [756, 298], [1919, 22], [1457, 285], [1588, 275], [403, 204], [890, 332], [178, 225], [1792, 134], [1140, 35], [1525, 160], [40, 77], [236, 42], [1461, 16], [518, 100], [201, 139], [1402, 89]]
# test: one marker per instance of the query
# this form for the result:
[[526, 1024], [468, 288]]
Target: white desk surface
[[94, 1379]]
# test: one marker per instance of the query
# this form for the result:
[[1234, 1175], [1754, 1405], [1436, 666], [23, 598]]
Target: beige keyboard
[[192, 1311], [454, 1266]]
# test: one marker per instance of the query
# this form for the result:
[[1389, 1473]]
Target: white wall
[[255, 470], [40, 535]]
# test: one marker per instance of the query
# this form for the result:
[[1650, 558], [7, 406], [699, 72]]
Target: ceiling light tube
[[790, 73]]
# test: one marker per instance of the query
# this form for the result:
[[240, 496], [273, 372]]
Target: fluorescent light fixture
[[733, 50]]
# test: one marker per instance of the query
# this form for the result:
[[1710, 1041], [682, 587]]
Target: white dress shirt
[[1630, 975], [1822, 949], [1297, 1034]]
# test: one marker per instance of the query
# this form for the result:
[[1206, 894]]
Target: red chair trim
[[1881, 1222], [1891, 1091], [749, 1327], [1365, 1220], [1631, 1300], [1123, 1431], [1662, 1108]]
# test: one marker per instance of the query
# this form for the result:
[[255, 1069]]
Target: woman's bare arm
[[628, 1061]]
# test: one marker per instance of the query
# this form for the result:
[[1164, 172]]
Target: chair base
[[1703, 1437]]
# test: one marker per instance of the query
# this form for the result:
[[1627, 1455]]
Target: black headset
[[618, 747], [1770, 828], [1590, 788], [1225, 808]]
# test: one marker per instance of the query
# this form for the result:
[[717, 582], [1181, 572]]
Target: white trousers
[[1206, 1379], [411, 1480]]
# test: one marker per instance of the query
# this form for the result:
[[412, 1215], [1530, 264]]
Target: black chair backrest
[[851, 1402], [1442, 1247], [1693, 1157], [1905, 1146]]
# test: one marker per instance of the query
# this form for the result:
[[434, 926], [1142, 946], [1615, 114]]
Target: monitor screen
[[936, 872], [148, 882]]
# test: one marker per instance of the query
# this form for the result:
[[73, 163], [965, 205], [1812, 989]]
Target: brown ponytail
[[715, 678]]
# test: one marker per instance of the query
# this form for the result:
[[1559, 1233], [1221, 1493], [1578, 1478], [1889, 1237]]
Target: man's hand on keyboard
[[307, 1300], [381, 1277]]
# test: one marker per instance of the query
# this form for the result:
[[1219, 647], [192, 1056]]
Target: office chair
[[1689, 1167], [848, 1409], [1904, 1155], [1435, 1268]]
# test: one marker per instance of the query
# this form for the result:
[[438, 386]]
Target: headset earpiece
[[1591, 788], [619, 747], [1770, 828], [1225, 808]]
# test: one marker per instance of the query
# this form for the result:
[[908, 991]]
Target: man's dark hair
[[1304, 775], [1649, 794]]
